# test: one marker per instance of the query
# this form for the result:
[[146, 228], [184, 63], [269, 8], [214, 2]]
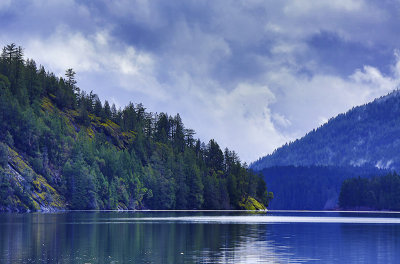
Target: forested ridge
[[63, 148], [363, 142], [367, 135], [376, 193]]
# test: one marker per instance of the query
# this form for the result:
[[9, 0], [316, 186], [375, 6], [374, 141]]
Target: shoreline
[[194, 211]]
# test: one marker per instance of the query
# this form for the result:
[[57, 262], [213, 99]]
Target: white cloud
[[396, 67], [307, 102], [252, 117], [277, 91], [280, 120], [96, 53], [354, 20], [305, 7], [4, 4], [192, 52], [372, 78], [239, 119]]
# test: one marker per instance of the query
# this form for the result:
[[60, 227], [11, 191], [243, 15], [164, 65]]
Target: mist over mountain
[[307, 174], [367, 135]]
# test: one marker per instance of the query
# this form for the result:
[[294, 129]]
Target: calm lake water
[[200, 237]]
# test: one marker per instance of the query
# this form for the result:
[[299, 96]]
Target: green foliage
[[309, 188], [5, 189], [9, 140], [4, 84], [3, 154], [83, 117], [378, 193], [250, 203], [99, 157], [80, 184]]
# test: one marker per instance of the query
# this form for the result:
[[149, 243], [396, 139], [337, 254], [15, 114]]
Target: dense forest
[[311, 187], [64, 148], [377, 193], [367, 135]]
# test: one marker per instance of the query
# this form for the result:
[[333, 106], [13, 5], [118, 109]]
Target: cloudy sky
[[252, 74]]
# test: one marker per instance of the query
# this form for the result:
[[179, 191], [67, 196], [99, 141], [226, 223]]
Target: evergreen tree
[[71, 81], [98, 108], [3, 154], [214, 157], [107, 110], [98, 157]]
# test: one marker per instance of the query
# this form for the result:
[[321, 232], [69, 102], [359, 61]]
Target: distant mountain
[[367, 135], [307, 174]]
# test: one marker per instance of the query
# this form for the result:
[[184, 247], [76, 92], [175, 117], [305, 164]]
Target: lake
[[200, 237]]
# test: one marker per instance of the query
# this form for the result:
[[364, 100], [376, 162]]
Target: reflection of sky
[[251, 74], [98, 237], [260, 219]]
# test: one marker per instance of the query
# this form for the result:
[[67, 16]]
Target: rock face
[[22, 189]]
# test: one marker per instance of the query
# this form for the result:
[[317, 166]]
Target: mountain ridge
[[366, 135]]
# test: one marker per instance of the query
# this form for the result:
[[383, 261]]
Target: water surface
[[200, 237]]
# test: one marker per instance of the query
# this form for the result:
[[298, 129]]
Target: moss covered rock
[[31, 190], [250, 203]]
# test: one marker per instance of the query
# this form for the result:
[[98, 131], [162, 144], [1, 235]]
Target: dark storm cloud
[[159, 27], [43, 17], [149, 25], [251, 74], [343, 57]]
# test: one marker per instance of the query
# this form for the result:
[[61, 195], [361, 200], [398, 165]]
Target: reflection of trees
[[10, 240], [82, 237]]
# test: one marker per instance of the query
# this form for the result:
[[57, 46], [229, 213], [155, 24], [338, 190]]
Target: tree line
[[101, 157], [311, 187], [377, 193]]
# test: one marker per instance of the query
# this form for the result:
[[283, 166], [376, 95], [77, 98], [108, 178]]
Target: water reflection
[[160, 237]]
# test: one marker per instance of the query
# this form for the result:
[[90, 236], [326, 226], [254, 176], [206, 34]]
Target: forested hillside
[[308, 173], [377, 193], [367, 135], [63, 148], [311, 187]]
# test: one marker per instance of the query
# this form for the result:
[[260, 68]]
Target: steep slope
[[62, 148], [367, 135], [22, 189]]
